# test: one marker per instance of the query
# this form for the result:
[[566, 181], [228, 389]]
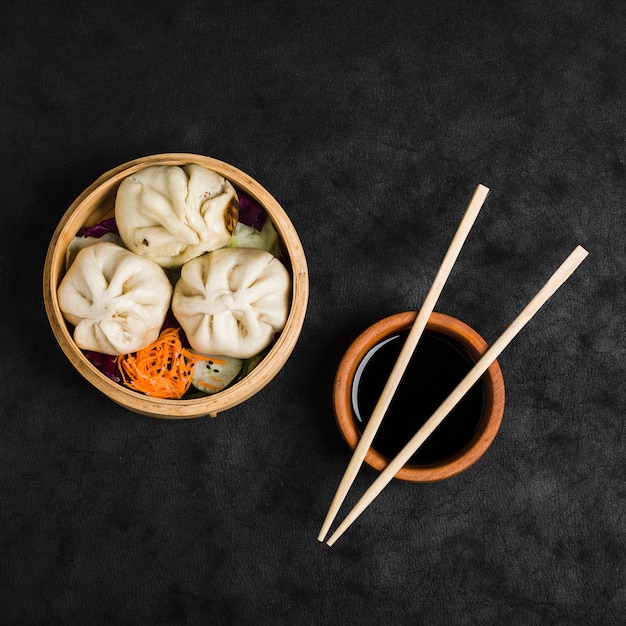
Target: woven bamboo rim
[[97, 203]]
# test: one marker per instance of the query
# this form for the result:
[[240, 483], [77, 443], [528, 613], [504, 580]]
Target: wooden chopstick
[[553, 283], [404, 357]]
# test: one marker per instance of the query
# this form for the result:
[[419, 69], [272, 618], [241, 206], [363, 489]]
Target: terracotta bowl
[[492, 407], [97, 203]]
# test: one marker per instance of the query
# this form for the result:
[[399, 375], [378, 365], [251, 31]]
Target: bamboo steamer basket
[[97, 203]]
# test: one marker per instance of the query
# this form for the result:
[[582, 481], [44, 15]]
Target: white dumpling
[[172, 214], [231, 301], [116, 301]]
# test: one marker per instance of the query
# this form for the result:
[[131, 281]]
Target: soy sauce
[[436, 368]]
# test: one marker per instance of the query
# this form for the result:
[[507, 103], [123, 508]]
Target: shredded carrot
[[207, 385], [214, 360], [162, 370]]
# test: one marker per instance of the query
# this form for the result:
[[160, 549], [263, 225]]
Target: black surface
[[371, 123]]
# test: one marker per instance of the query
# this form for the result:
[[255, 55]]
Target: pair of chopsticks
[[566, 269]]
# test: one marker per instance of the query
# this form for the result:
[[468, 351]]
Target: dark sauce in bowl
[[436, 368]]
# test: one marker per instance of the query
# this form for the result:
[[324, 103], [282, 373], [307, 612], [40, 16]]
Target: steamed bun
[[172, 214], [231, 301], [116, 300]]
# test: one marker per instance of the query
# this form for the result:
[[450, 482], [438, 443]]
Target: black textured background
[[371, 123]]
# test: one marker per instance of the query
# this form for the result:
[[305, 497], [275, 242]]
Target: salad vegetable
[[249, 237], [163, 369], [215, 373], [251, 213], [99, 229]]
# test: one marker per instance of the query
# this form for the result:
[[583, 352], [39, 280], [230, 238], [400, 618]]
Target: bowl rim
[[269, 366], [493, 410]]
